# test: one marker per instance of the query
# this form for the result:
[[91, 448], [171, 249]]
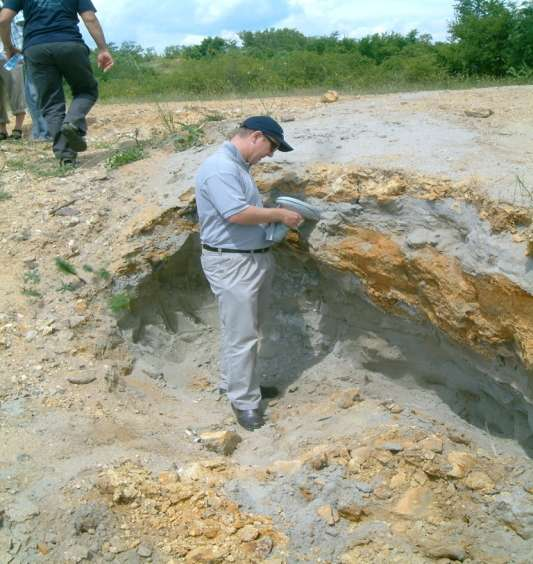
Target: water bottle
[[13, 62]]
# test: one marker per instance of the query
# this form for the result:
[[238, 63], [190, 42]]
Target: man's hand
[[290, 218], [11, 52], [105, 60]]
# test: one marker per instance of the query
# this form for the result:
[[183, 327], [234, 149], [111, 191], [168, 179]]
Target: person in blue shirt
[[54, 50]]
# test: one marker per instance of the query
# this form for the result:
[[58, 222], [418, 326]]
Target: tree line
[[487, 38]]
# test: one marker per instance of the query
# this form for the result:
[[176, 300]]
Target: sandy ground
[[366, 457]]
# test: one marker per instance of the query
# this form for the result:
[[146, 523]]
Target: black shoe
[[267, 392], [250, 419], [75, 139]]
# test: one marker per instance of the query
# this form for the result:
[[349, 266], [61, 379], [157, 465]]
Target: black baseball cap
[[270, 127]]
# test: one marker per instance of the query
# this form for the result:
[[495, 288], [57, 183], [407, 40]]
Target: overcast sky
[[184, 22]]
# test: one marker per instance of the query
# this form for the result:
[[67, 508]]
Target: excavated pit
[[321, 314]]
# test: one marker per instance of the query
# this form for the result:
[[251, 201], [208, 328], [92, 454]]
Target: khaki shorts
[[12, 90]]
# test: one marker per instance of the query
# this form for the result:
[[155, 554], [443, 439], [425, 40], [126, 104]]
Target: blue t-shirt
[[50, 21]]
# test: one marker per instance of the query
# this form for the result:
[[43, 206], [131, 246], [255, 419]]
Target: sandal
[[16, 134]]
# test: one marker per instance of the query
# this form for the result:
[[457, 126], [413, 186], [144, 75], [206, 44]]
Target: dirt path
[[401, 339]]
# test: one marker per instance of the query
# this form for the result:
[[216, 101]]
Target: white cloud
[[167, 22], [208, 11]]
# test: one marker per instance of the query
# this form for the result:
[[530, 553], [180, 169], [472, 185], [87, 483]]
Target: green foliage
[[67, 287], [31, 293], [32, 276], [481, 30], [188, 135], [209, 47], [489, 38], [125, 156], [120, 302], [31, 279], [103, 274], [4, 195], [65, 267]]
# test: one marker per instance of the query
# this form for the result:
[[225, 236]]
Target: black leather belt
[[220, 250]]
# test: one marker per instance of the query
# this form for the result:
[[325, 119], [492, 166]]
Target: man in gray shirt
[[236, 256]]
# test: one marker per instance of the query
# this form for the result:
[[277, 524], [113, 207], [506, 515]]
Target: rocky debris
[[434, 444], [461, 464], [23, 510], [81, 379], [248, 533], [221, 442], [479, 481], [188, 519], [455, 553], [89, 517], [479, 113], [319, 461], [421, 237], [329, 97], [516, 510], [75, 554], [144, 551], [348, 398], [352, 512], [329, 514]]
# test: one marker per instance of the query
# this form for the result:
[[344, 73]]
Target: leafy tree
[[481, 32], [521, 38], [209, 47], [266, 43]]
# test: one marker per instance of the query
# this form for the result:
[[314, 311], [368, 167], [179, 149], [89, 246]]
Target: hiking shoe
[[250, 419], [3, 136], [16, 134], [68, 163], [75, 139]]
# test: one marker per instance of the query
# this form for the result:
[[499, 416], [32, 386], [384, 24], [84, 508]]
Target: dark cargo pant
[[50, 63]]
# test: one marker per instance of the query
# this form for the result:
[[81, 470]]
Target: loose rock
[[329, 97], [221, 442]]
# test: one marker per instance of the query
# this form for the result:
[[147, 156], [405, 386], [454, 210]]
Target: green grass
[[4, 195], [40, 167], [120, 302], [189, 135], [31, 293], [32, 277], [123, 157]]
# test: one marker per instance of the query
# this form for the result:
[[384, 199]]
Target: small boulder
[[352, 512], [329, 514], [450, 551], [479, 481], [479, 113], [248, 533], [221, 442], [348, 398], [329, 97], [461, 463]]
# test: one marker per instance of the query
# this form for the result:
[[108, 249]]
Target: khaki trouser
[[241, 283], [12, 89]]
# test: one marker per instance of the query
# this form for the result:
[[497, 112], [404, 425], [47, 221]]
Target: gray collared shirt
[[224, 187]]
